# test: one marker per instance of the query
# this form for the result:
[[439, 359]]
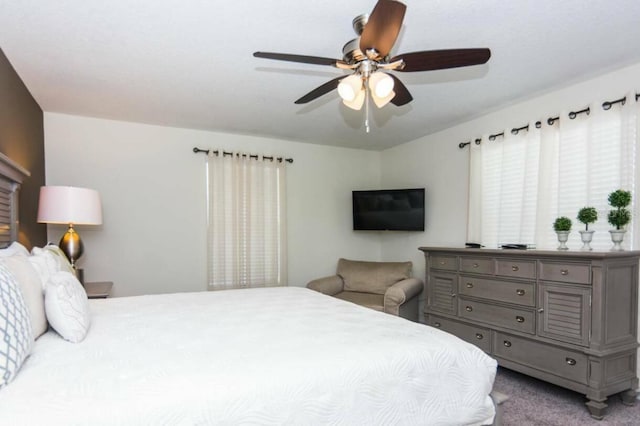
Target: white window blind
[[520, 183], [247, 222]]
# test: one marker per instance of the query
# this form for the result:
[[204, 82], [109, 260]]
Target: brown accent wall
[[22, 140]]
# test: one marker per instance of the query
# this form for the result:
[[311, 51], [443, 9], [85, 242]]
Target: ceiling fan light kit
[[352, 89], [382, 101], [380, 84], [349, 87], [368, 54], [357, 102]]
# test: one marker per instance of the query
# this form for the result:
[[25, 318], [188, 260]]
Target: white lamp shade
[[357, 102], [380, 102], [349, 87], [381, 84], [69, 205]]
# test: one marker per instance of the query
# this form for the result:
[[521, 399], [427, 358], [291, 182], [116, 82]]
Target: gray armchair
[[383, 286]]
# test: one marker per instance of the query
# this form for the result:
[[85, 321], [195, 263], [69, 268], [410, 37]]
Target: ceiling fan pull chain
[[366, 108]]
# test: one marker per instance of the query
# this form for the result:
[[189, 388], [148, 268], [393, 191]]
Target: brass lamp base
[[71, 245]]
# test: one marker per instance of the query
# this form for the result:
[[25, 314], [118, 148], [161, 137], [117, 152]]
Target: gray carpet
[[533, 402]]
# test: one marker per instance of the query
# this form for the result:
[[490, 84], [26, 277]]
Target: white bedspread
[[255, 357]]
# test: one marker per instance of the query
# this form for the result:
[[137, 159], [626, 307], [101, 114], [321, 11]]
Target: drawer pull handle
[[564, 271], [453, 295], [475, 265], [507, 343], [436, 324], [520, 292], [571, 361], [469, 285], [468, 309], [520, 319], [479, 336], [541, 310], [443, 262], [514, 268]]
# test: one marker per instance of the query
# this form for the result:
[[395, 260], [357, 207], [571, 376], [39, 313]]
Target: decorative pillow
[[15, 249], [67, 306], [372, 277], [61, 259], [45, 264], [16, 338], [29, 282]]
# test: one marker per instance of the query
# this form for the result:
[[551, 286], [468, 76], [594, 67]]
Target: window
[[246, 222], [520, 183]]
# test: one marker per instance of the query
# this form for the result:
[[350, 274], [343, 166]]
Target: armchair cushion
[[372, 277], [368, 300]]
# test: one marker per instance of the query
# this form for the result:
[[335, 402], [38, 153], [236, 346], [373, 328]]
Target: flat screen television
[[389, 210]]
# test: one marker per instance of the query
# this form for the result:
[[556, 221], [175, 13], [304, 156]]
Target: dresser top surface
[[533, 252]]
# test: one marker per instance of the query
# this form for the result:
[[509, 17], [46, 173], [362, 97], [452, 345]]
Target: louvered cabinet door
[[564, 313], [441, 292]]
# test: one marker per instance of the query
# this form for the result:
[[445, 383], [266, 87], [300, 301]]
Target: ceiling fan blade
[[442, 59], [320, 90], [316, 60], [383, 27], [402, 96]]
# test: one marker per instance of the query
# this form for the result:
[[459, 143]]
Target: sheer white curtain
[[520, 183], [503, 188], [246, 222]]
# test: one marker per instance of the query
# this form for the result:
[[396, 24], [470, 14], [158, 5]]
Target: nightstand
[[98, 289]]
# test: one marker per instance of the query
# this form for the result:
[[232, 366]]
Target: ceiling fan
[[368, 57]]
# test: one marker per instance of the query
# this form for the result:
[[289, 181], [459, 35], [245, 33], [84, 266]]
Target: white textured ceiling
[[189, 63]]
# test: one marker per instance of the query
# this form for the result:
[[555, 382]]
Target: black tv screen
[[389, 210]]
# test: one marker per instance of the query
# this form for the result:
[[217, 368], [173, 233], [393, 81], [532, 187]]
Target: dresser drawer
[[522, 320], [521, 293], [478, 336], [516, 268], [565, 272], [447, 263], [477, 265], [551, 359]]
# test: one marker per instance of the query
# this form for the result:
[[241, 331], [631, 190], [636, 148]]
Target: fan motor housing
[[359, 23], [351, 52]]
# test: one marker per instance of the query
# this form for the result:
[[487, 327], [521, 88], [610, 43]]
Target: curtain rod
[[255, 156], [551, 120]]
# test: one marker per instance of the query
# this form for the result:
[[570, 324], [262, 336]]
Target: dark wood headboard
[[11, 177]]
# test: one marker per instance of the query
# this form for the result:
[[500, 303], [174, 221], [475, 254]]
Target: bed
[[272, 356]]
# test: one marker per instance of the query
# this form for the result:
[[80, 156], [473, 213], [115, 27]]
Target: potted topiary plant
[[562, 226], [587, 215], [619, 217]]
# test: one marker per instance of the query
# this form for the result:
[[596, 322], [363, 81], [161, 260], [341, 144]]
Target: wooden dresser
[[569, 318]]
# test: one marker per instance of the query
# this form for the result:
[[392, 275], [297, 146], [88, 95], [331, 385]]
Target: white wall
[[153, 239]]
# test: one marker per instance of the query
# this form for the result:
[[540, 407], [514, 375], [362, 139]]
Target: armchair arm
[[401, 292], [328, 285]]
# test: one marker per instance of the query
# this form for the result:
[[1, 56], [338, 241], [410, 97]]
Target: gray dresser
[[569, 318]]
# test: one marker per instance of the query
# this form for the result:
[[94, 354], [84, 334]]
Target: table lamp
[[71, 206]]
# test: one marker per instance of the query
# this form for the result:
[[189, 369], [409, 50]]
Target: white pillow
[[16, 338], [14, 249], [67, 306], [61, 259], [45, 264], [29, 282]]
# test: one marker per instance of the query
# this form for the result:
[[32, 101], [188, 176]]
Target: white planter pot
[[586, 237], [617, 236], [563, 237]]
